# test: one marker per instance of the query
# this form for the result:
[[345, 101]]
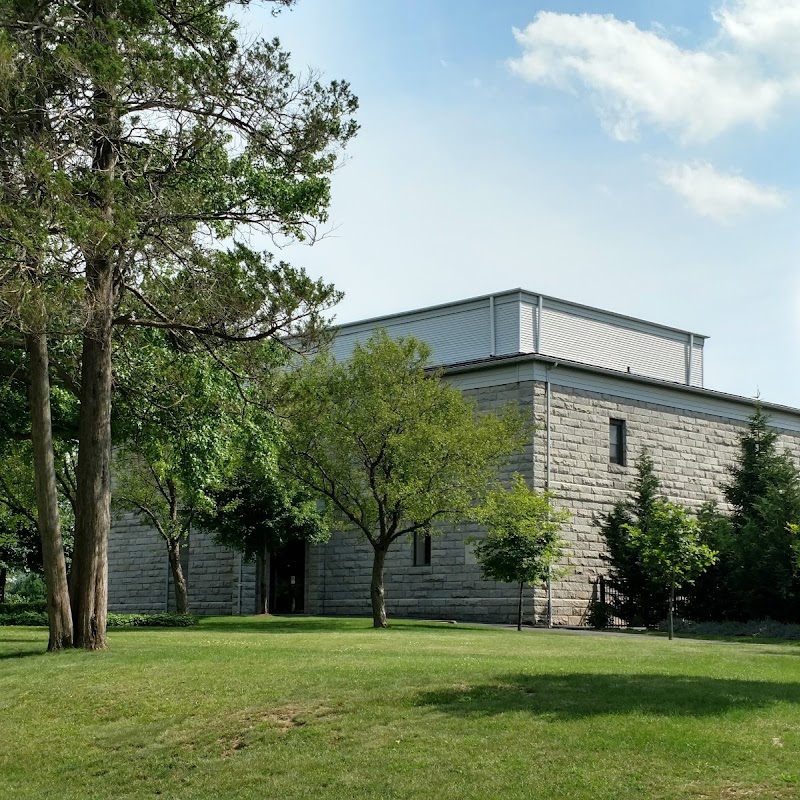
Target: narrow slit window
[[616, 441], [422, 550]]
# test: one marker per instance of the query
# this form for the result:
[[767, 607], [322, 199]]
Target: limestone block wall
[[140, 580], [691, 452], [138, 569], [451, 587]]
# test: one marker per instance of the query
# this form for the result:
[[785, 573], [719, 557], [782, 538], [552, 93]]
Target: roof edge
[[518, 290]]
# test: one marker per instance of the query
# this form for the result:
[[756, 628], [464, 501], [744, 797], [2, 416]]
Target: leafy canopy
[[389, 445], [671, 546], [522, 541]]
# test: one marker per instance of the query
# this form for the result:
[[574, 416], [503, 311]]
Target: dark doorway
[[287, 579]]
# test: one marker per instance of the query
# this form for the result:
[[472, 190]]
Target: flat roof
[[504, 293], [470, 366]]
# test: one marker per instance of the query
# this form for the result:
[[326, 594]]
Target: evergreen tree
[[764, 493], [643, 600]]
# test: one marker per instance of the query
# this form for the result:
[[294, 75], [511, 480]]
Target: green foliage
[[14, 604], [389, 447], [26, 588], [756, 576], [522, 542], [643, 599], [175, 425], [600, 615], [160, 620], [755, 629], [671, 546], [256, 508], [31, 617], [672, 550]]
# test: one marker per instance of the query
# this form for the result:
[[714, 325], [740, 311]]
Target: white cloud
[[770, 26], [718, 195], [638, 76]]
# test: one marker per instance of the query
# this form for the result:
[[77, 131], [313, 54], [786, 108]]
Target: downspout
[[547, 487], [689, 363], [539, 324], [492, 336]]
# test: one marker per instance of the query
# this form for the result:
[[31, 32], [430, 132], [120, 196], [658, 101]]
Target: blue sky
[[636, 156]]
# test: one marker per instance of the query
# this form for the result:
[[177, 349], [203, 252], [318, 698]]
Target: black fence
[[611, 602]]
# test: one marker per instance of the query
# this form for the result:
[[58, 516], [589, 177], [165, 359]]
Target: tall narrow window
[[422, 549], [616, 441]]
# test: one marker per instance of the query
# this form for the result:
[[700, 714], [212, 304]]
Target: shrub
[[37, 618], [162, 620], [26, 588], [761, 629], [13, 606], [599, 615], [30, 616]]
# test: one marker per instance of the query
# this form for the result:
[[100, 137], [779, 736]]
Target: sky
[[640, 156]]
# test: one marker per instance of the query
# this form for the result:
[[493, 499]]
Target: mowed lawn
[[329, 708]]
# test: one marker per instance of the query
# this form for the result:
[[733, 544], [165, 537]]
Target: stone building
[[600, 387]]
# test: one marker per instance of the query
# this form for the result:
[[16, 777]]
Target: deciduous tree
[[156, 135], [671, 549], [390, 447], [522, 542]]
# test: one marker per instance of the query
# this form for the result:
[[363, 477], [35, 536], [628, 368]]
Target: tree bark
[[178, 579], [59, 614], [89, 578], [261, 571], [376, 589], [519, 610]]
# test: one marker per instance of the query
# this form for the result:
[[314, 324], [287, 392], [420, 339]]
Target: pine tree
[[643, 599], [764, 492]]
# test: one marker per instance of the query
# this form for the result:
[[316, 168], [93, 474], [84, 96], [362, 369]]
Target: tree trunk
[[671, 607], [3, 577], [59, 614], [261, 572], [181, 594], [519, 610], [89, 578], [376, 589]]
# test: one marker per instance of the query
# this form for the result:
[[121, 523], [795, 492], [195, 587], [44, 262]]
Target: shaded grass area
[[330, 708]]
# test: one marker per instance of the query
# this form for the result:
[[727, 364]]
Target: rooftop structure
[[518, 322]]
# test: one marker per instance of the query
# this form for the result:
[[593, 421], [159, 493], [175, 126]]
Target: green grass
[[329, 708]]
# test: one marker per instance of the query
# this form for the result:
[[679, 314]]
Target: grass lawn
[[329, 708]]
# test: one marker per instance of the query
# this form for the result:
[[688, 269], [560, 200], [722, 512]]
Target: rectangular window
[[422, 550], [616, 441]]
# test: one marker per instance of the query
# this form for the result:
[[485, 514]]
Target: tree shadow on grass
[[579, 695], [276, 624], [22, 654]]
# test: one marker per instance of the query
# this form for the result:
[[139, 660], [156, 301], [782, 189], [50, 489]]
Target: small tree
[[176, 434], [390, 447], [522, 542], [671, 549], [256, 510], [642, 599]]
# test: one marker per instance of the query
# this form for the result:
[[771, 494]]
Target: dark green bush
[[162, 620], [26, 588], [19, 616], [600, 615], [760, 629], [12, 607], [24, 618]]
